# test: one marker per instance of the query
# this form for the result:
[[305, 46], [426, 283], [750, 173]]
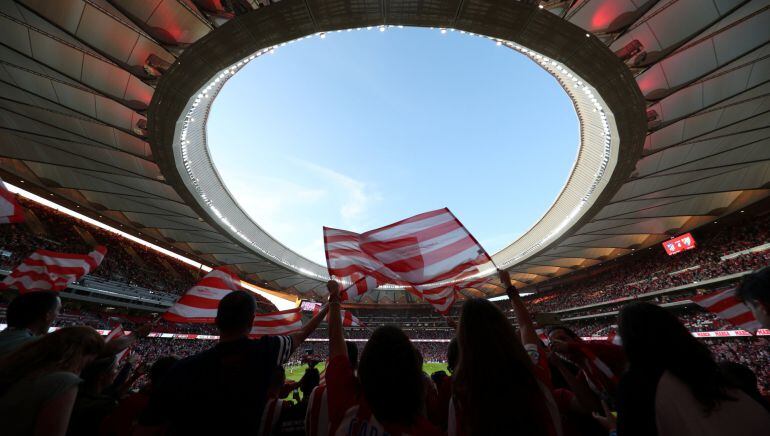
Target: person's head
[[488, 344], [352, 353], [309, 381], [655, 341], [452, 354], [68, 349], [558, 336], [161, 368], [34, 311], [235, 314], [561, 333], [391, 376], [754, 291]]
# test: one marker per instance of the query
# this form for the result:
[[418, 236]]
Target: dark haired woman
[[387, 396], [515, 401], [673, 385]]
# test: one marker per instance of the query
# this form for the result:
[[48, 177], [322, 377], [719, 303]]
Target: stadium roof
[[91, 94]]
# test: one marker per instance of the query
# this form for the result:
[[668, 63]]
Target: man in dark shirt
[[223, 390]]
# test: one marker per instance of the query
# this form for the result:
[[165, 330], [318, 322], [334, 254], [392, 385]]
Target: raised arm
[[117, 345], [526, 326], [336, 335], [299, 337]]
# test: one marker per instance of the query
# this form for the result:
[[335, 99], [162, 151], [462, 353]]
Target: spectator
[[39, 381], [29, 316], [515, 401], [755, 292], [600, 364], [93, 404], [317, 413], [674, 386], [387, 395], [232, 378], [121, 421]]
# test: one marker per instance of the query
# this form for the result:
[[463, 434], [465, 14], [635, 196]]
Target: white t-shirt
[[678, 413]]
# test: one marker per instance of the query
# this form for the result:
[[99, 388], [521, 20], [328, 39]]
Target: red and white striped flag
[[348, 319], [443, 297], [46, 270], [727, 306], [115, 333], [200, 303], [430, 254], [10, 210], [277, 323]]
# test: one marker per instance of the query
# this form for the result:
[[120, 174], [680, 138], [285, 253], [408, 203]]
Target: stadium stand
[[609, 339]]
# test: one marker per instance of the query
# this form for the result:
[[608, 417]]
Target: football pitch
[[294, 372]]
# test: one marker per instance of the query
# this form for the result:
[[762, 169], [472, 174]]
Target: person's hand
[[609, 420], [334, 291], [505, 279]]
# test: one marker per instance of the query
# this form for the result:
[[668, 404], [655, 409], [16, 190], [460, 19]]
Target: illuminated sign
[[678, 244]]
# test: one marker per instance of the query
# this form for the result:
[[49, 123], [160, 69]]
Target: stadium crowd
[[661, 380], [653, 270], [128, 262]]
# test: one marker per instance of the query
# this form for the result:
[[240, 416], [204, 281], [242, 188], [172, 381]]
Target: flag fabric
[[429, 254], [727, 306], [115, 333], [598, 373], [10, 210], [277, 323], [46, 270], [200, 303], [348, 319], [443, 297]]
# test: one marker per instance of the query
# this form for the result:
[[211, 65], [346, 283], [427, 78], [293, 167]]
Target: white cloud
[[294, 211], [273, 203], [356, 197]]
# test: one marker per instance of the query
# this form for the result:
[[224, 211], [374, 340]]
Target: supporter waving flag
[[46, 270], [277, 323], [727, 306], [429, 254], [199, 304], [10, 210]]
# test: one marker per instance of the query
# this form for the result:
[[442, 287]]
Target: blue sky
[[364, 128]]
